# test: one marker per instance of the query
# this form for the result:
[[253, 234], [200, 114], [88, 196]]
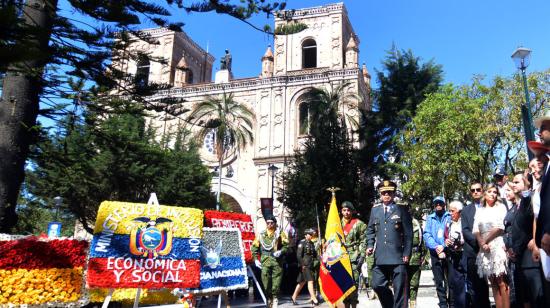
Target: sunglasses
[[386, 193], [476, 189]]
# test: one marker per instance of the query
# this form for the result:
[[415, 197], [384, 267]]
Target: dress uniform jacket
[[306, 255], [390, 234]]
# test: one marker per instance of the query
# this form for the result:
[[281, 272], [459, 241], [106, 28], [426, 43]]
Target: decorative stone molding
[[314, 11], [257, 83]]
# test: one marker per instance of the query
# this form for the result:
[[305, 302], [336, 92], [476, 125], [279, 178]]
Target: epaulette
[[376, 205]]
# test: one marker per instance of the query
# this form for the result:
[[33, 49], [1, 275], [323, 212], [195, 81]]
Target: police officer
[[355, 243], [306, 254], [267, 251], [389, 237]]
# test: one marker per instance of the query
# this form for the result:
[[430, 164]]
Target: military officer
[[355, 243], [389, 237], [267, 251]]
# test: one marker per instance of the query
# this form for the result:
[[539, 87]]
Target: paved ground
[[426, 298]]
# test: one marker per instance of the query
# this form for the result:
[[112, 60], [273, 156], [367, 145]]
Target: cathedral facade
[[322, 56]]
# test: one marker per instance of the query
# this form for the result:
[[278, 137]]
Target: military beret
[[348, 204], [387, 186]]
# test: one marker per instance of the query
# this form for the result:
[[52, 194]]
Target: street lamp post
[[522, 57], [272, 171], [58, 200]]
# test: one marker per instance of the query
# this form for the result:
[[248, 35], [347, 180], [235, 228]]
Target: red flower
[[31, 253]]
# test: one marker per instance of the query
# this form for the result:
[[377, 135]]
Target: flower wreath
[[243, 222], [228, 271]]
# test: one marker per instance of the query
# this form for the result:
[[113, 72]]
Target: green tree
[[443, 147], [326, 160], [40, 49], [231, 124], [459, 135], [403, 82], [116, 158]]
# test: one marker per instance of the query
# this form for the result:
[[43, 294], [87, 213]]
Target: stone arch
[[229, 190], [297, 101]]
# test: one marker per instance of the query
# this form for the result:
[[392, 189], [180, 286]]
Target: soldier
[[316, 262], [417, 259], [355, 243], [390, 232], [306, 254], [267, 251]]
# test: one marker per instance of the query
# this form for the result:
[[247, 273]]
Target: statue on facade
[[225, 61]]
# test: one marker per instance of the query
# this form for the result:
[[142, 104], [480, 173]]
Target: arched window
[[142, 72], [304, 118], [309, 53]]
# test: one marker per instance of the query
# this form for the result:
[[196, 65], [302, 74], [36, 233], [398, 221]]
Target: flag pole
[[318, 224]]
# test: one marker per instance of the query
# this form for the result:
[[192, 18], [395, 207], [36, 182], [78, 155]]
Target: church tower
[[323, 45]]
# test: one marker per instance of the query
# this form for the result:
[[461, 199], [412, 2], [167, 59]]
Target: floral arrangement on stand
[[145, 246], [222, 263], [42, 272], [243, 222]]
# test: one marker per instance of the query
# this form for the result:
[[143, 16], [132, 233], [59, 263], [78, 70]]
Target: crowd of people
[[499, 238]]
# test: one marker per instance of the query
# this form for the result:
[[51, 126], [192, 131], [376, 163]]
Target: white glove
[[277, 254], [258, 263]]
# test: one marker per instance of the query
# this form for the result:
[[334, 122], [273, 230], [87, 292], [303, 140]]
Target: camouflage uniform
[[356, 245], [272, 267], [370, 264], [417, 256]]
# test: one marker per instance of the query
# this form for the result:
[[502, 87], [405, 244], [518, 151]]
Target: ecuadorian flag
[[336, 276]]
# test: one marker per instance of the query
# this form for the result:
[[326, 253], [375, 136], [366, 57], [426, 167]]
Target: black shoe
[[313, 303], [293, 302]]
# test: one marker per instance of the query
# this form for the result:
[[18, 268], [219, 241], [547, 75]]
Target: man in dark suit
[[390, 232], [477, 291], [542, 237], [527, 274]]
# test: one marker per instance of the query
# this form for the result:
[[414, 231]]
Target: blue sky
[[467, 37]]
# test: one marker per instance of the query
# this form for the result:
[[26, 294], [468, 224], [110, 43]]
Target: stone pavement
[[426, 298]]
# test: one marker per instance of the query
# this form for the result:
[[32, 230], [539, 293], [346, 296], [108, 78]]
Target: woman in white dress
[[491, 259]]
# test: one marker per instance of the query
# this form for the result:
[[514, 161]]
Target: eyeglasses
[[476, 189], [386, 193]]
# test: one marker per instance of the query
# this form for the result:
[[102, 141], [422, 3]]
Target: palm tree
[[325, 106], [231, 123]]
